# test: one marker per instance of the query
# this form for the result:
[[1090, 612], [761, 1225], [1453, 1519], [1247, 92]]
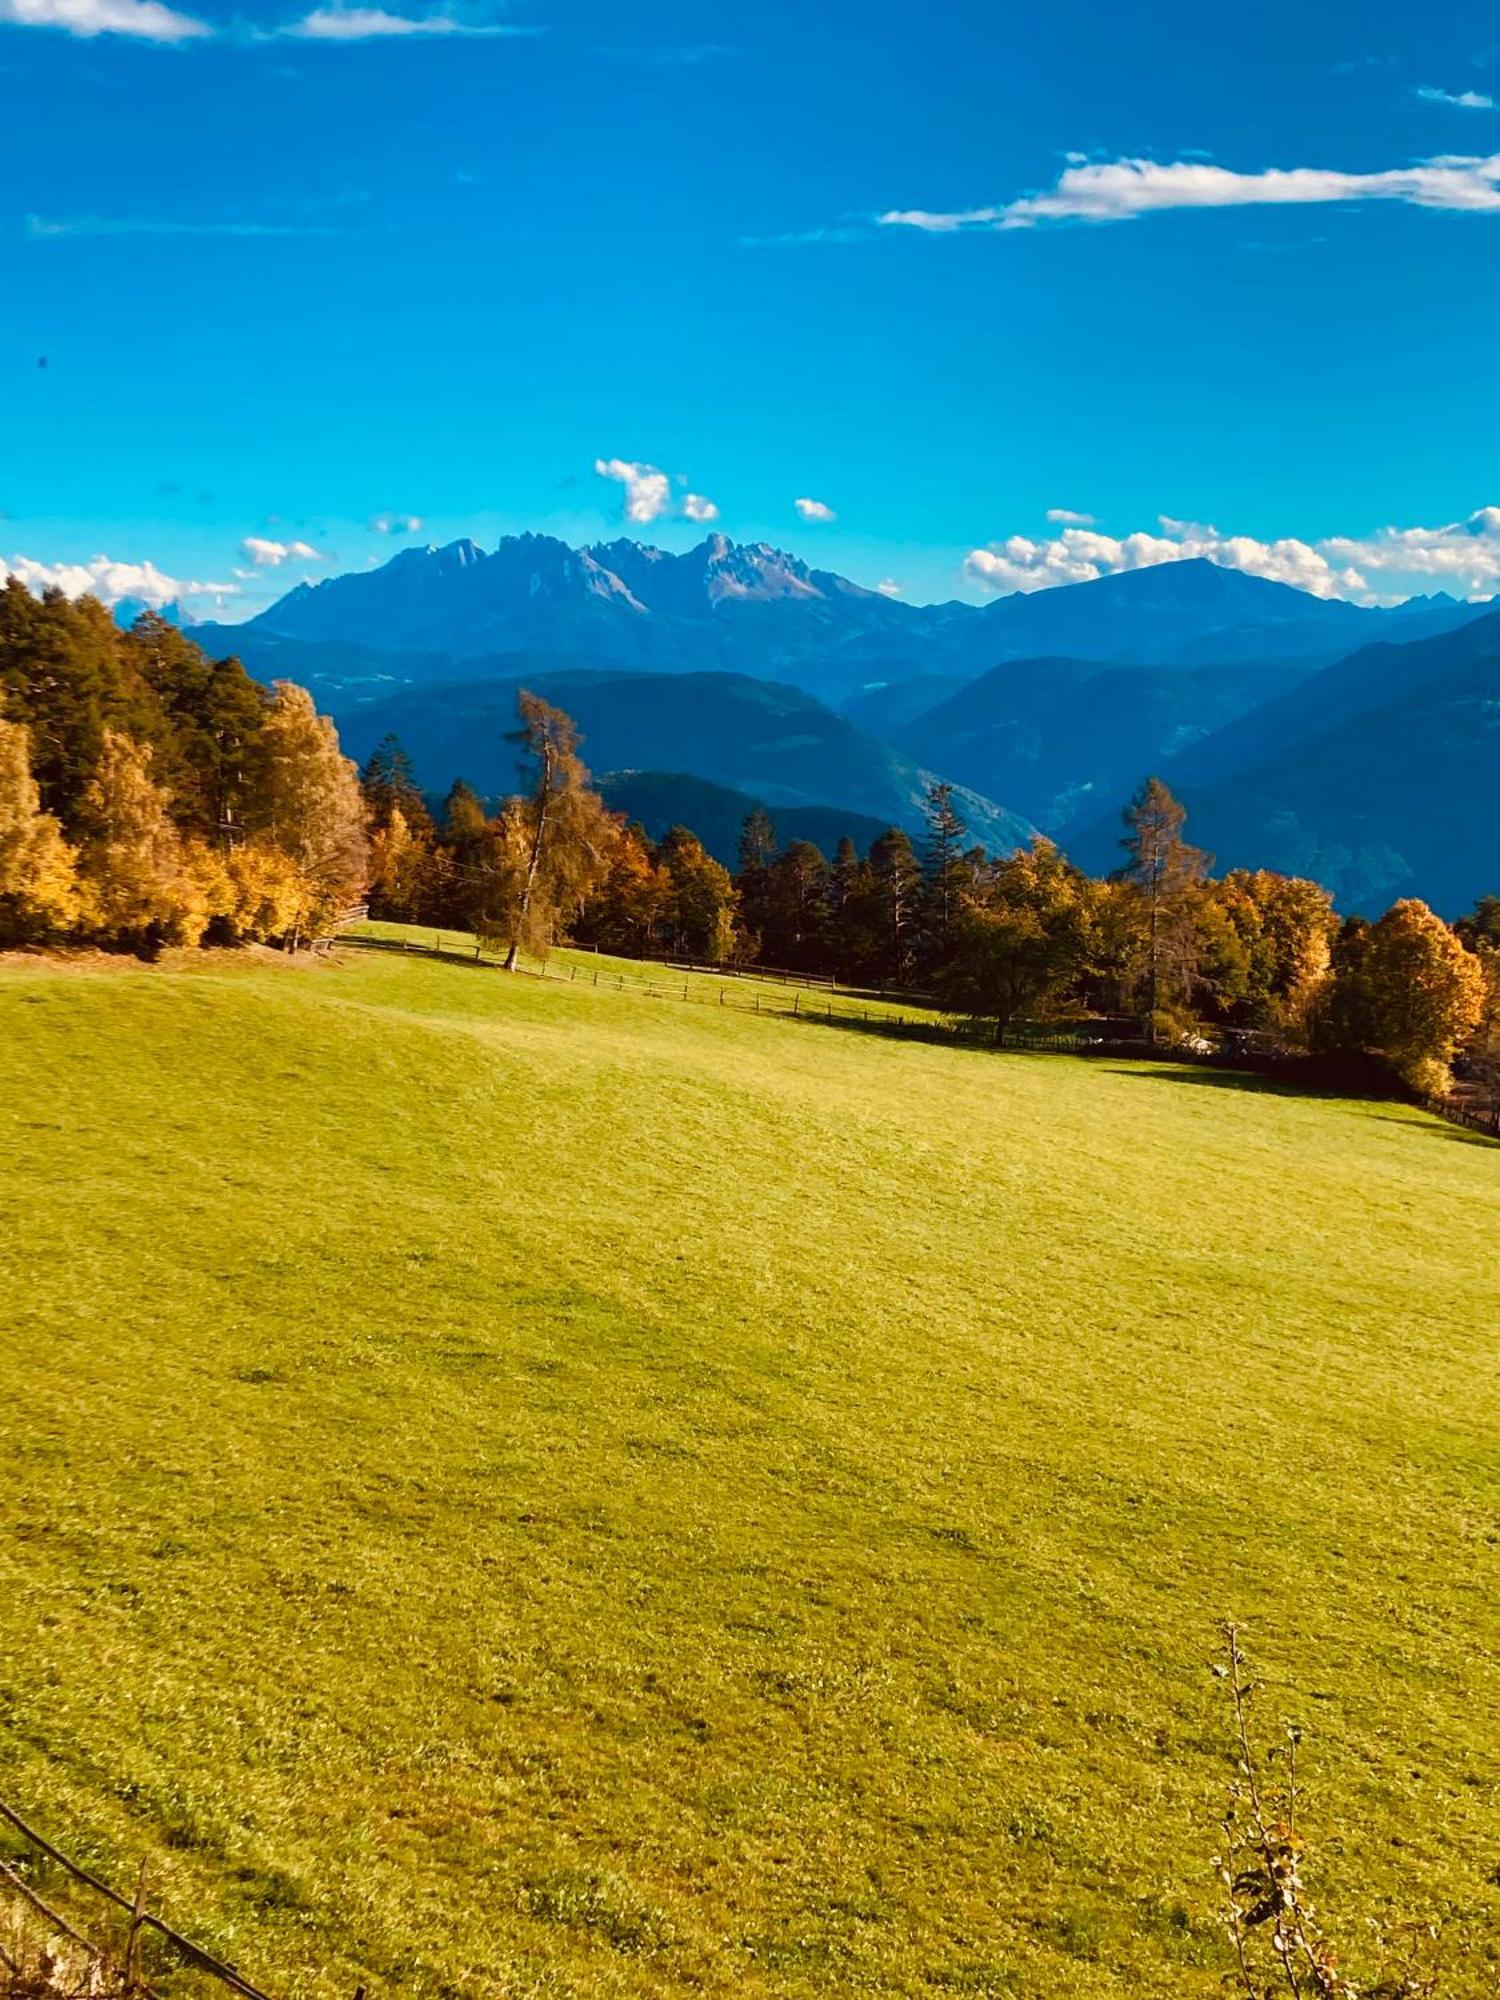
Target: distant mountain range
[[1262, 704], [725, 607]]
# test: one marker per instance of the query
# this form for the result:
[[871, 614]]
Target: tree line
[[151, 796], [1162, 941]]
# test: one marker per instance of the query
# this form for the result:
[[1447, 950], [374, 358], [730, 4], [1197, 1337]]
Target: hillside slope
[[1063, 738], [750, 735], [521, 1490], [1401, 799], [663, 799]]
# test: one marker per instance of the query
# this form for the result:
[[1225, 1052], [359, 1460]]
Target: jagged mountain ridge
[[750, 608]]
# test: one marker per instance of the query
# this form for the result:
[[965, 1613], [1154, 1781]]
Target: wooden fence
[[843, 1008], [140, 1919]]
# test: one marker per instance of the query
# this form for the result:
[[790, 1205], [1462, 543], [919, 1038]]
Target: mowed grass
[[510, 1489]]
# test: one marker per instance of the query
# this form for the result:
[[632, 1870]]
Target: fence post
[[133, 1935], [796, 1003]]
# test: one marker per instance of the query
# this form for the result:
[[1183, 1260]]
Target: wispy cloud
[[271, 555], [368, 24], [109, 580], [1064, 517], [144, 225], [143, 20], [396, 524], [649, 494], [814, 510], [674, 55], [888, 587], [1461, 100], [1386, 566], [153, 21], [840, 232], [1120, 190]]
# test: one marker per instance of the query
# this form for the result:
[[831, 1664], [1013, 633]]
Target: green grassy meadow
[[513, 1489]]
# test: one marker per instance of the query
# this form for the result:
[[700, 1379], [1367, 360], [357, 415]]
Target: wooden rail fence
[[141, 1919]]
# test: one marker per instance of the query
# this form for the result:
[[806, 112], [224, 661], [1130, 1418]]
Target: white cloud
[[1064, 517], [367, 24], [648, 492], [396, 524], [145, 20], [1462, 557], [1461, 100], [109, 581], [888, 587], [271, 555], [815, 510], [1119, 190]]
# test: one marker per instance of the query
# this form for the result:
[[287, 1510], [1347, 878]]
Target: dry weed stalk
[[1279, 1946]]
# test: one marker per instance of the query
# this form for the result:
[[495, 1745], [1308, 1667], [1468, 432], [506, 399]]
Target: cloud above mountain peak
[[1383, 567]]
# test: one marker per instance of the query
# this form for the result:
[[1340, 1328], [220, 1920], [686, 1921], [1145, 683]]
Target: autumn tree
[[626, 910], [1166, 875], [140, 887], [1285, 928], [556, 839], [1406, 989], [400, 869], [308, 803], [38, 883], [699, 916], [1022, 936]]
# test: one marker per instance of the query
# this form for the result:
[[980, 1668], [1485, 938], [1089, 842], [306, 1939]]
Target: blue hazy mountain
[[760, 737], [1379, 777], [660, 800]]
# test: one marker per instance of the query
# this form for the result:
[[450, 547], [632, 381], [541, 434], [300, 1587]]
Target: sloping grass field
[[509, 1489]]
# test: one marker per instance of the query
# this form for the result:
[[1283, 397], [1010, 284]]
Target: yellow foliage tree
[[309, 804], [1422, 994], [269, 897], [38, 882], [140, 885], [400, 868]]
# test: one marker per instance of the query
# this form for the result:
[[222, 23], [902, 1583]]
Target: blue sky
[[302, 276]]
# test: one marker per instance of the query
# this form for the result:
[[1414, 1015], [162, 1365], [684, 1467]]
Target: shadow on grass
[[1147, 1071], [1416, 1120], [909, 1028]]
